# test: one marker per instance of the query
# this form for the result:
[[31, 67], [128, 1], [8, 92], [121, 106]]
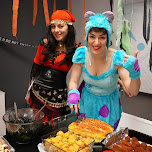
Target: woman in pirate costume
[[100, 67], [52, 62]]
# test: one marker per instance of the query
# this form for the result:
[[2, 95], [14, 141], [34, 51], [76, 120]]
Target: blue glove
[[133, 67]]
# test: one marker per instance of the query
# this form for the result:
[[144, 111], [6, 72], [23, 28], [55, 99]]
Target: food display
[[125, 140], [68, 142], [131, 145], [5, 146], [89, 127]]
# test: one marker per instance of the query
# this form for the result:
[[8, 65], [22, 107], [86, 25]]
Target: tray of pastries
[[128, 140], [5, 146], [89, 127]]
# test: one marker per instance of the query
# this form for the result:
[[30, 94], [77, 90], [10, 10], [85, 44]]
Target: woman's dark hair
[[96, 29], [50, 51]]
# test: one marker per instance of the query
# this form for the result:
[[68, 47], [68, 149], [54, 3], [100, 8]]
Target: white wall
[[2, 112], [97, 6], [134, 13]]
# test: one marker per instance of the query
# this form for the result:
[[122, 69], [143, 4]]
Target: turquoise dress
[[100, 95]]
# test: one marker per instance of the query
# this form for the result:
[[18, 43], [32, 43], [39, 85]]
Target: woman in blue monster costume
[[100, 67]]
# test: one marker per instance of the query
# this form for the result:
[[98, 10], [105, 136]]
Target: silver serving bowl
[[26, 127]]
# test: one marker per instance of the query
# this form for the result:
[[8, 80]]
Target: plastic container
[[27, 130], [4, 143], [68, 143]]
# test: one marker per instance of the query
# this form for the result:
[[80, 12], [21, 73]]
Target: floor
[[140, 106]]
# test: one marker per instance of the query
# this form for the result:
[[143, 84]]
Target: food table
[[136, 123], [59, 122], [30, 147], [126, 121], [45, 129]]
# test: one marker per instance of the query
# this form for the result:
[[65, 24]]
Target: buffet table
[[143, 132], [59, 122], [135, 123], [30, 147]]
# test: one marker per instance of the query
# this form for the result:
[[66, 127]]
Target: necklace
[[60, 44]]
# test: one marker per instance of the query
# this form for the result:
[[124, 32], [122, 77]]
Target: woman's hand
[[136, 54], [75, 108], [127, 56], [73, 99], [131, 65]]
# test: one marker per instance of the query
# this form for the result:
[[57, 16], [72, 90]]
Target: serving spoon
[[38, 112], [17, 119]]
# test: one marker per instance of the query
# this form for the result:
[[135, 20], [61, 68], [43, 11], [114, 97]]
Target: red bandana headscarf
[[64, 15]]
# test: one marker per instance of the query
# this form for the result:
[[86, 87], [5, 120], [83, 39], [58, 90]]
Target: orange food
[[149, 148], [117, 148], [133, 146], [124, 147], [139, 149], [91, 127], [143, 145], [127, 138], [134, 139], [137, 144], [126, 143]]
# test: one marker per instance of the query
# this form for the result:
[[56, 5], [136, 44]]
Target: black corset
[[49, 78]]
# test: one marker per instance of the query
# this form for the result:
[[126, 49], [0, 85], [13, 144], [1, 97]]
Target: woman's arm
[[121, 83], [124, 89], [34, 70], [132, 85], [74, 81], [75, 76]]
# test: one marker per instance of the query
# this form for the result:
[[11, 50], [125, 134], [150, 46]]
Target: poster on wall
[[139, 14]]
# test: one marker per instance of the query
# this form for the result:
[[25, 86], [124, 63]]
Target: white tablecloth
[[135, 123]]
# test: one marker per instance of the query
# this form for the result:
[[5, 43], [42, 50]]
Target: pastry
[[91, 127]]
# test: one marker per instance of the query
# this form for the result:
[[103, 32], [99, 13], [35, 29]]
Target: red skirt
[[50, 112]]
